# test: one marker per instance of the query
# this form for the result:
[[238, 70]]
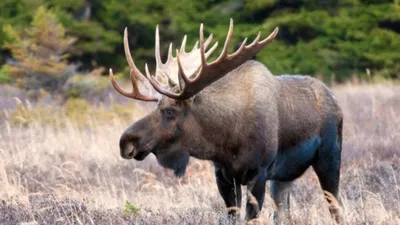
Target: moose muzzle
[[127, 146]]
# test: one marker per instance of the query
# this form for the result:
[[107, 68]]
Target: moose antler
[[191, 59], [205, 73], [134, 74], [211, 72]]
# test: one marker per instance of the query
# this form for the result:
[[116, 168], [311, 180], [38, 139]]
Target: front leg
[[255, 194], [230, 190]]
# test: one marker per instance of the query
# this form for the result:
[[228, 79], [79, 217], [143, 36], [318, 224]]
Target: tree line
[[325, 38]]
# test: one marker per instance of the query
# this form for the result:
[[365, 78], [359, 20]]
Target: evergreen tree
[[39, 59], [341, 37]]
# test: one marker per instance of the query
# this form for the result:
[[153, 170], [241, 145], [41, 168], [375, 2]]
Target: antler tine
[[257, 38], [181, 73], [150, 77], [212, 49], [135, 94], [169, 53], [129, 59], [156, 85], [127, 51], [158, 55], [208, 41], [116, 86], [182, 78], [240, 49], [157, 48], [183, 45], [271, 37], [224, 53], [202, 47], [196, 45], [134, 74]]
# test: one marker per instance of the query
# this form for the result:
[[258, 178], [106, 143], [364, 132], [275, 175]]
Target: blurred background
[[60, 118], [61, 46]]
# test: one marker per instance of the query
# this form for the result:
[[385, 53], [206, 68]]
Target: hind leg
[[328, 175], [327, 168], [280, 193]]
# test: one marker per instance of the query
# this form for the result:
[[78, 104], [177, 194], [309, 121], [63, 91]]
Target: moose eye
[[169, 113]]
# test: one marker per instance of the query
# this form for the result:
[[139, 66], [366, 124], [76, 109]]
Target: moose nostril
[[128, 144], [131, 153], [127, 148]]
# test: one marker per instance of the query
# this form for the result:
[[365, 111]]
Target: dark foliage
[[317, 37]]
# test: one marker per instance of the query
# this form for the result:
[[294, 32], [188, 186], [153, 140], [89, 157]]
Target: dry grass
[[71, 174]]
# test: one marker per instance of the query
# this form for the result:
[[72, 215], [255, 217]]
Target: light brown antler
[[170, 67], [134, 74], [211, 72]]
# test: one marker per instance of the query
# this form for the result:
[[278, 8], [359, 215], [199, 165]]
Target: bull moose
[[252, 125]]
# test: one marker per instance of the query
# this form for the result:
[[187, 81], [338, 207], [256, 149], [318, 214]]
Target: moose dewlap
[[252, 125]]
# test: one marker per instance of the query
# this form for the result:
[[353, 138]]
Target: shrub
[[39, 59], [130, 208], [4, 77], [87, 86]]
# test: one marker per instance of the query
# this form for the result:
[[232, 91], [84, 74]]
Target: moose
[[252, 125]]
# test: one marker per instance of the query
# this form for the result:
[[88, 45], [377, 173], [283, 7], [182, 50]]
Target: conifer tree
[[39, 53]]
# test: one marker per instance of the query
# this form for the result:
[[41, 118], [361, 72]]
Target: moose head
[[172, 131]]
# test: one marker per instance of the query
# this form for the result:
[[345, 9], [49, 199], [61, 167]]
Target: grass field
[[65, 173]]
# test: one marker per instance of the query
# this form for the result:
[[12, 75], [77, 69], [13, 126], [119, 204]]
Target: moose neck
[[216, 117]]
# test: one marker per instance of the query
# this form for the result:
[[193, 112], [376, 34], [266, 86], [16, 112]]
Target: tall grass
[[61, 172]]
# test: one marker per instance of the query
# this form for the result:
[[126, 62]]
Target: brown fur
[[250, 124]]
